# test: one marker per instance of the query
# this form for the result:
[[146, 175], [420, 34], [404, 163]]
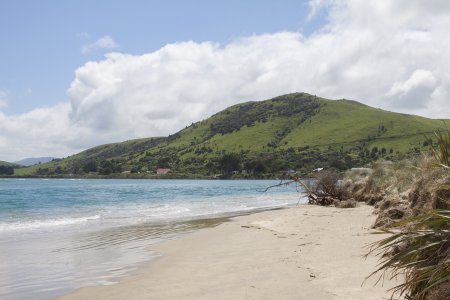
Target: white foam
[[125, 214], [211, 206], [48, 223]]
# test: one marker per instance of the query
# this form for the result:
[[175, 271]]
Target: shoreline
[[301, 252], [131, 177]]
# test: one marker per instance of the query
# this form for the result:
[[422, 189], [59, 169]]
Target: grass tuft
[[441, 152], [418, 249]]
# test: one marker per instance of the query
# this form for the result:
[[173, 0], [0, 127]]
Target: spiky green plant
[[441, 152], [418, 249]]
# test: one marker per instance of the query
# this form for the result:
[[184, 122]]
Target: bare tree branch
[[277, 185], [326, 195]]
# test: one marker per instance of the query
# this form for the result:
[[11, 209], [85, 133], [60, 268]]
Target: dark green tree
[[59, 170], [105, 167], [230, 162], [374, 152], [6, 170], [90, 166]]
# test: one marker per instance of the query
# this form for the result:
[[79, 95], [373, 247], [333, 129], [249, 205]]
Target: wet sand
[[303, 252]]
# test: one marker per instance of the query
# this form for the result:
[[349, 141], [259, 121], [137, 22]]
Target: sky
[[76, 74]]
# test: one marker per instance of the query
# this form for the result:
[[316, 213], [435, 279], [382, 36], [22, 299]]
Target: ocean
[[57, 235]]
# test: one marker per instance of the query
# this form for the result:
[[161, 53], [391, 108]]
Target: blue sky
[[76, 74], [42, 40]]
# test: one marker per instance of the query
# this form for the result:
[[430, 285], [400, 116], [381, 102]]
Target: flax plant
[[420, 253], [419, 247]]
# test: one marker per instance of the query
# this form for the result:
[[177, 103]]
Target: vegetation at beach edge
[[418, 247]]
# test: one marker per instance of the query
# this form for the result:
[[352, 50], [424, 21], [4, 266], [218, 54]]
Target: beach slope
[[304, 252]]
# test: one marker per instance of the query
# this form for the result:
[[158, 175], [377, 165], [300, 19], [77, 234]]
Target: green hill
[[295, 131], [7, 164]]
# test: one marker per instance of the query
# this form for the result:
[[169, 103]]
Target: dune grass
[[419, 247], [441, 151]]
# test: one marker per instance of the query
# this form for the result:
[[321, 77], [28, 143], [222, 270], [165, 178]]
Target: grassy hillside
[[295, 131], [74, 164], [349, 122], [7, 164]]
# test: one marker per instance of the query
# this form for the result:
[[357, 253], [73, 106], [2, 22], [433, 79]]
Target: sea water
[[57, 235]]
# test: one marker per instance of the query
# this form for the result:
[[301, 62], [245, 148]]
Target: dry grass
[[419, 246], [441, 152], [401, 189]]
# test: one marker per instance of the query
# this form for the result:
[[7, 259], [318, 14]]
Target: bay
[[57, 235]]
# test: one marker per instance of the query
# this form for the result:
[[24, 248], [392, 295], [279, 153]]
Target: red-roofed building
[[161, 171]]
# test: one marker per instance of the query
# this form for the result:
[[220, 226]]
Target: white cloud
[[416, 91], [387, 54], [41, 131], [3, 99], [105, 42]]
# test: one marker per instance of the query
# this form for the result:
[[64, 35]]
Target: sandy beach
[[303, 252]]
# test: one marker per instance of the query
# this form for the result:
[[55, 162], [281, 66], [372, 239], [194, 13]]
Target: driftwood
[[324, 200], [323, 197]]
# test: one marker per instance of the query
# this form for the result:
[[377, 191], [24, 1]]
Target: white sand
[[305, 252]]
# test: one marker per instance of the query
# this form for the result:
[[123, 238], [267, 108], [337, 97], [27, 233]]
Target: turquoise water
[[57, 235]]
